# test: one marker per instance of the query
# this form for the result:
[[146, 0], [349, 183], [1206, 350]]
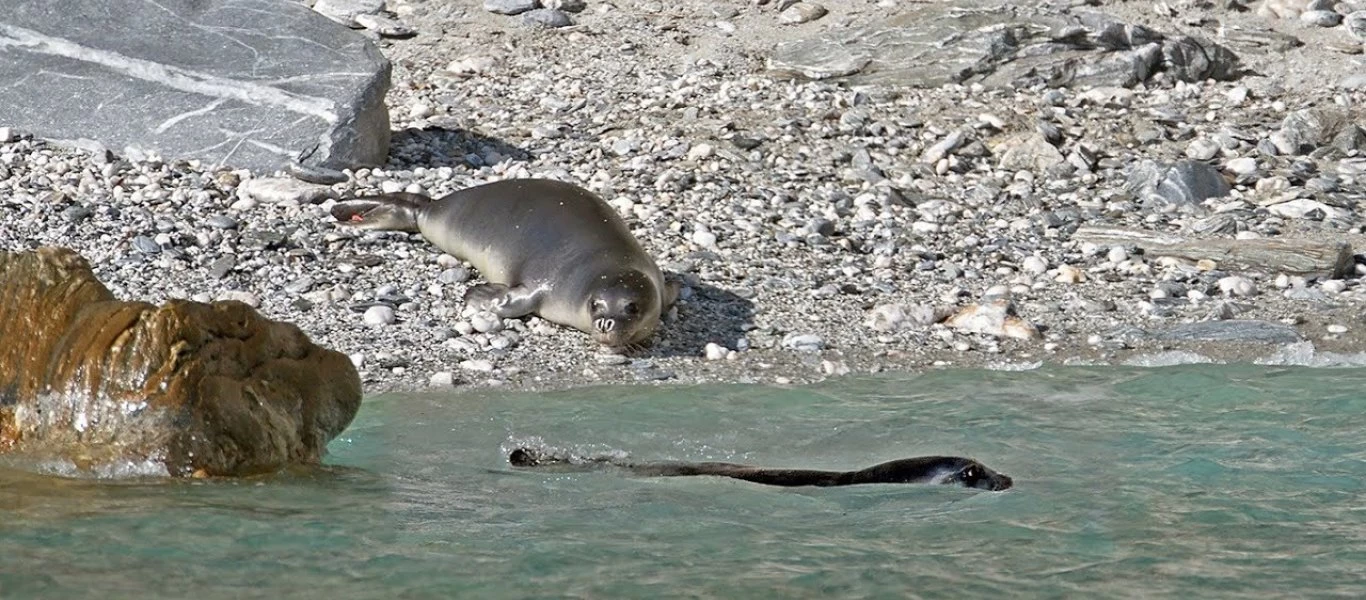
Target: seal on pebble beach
[[546, 247], [945, 470]]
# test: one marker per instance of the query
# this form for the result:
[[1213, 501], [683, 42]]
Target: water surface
[[1198, 481]]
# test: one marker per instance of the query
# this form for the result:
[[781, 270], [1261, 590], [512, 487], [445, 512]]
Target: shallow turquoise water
[[1204, 481]]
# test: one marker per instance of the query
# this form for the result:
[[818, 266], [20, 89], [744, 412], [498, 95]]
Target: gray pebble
[[572, 6], [1355, 23], [300, 285], [454, 275], [221, 222], [546, 18], [77, 213], [486, 322], [510, 7], [803, 342], [220, 267]]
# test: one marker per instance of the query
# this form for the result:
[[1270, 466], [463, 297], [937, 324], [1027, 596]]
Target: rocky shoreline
[[821, 227]]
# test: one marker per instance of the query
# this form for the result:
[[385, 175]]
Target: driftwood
[[1297, 256]]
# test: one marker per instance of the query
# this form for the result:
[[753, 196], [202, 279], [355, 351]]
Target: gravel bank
[[820, 229]]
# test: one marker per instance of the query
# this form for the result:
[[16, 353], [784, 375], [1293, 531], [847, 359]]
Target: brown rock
[[996, 317], [199, 388]]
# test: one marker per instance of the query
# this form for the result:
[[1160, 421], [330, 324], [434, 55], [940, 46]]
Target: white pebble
[[1117, 254], [704, 238], [379, 315], [1035, 265], [477, 364], [1337, 329], [1234, 285], [486, 322], [1242, 166], [715, 351], [1333, 286], [700, 151]]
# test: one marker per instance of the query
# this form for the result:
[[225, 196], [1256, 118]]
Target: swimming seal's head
[[624, 308], [976, 475]]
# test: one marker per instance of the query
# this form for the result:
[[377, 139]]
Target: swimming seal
[[546, 247], [950, 470]]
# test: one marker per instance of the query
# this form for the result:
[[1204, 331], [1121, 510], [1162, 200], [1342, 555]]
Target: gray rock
[[221, 222], [998, 45], [221, 267], [802, 12], [385, 26], [146, 245], [241, 83], [546, 18], [77, 213], [1306, 129], [1231, 330], [1029, 151], [510, 7], [1350, 138], [1184, 183], [346, 11], [1190, 58], [803, 342], [566, 5], [1321, 18], [272, 190], [1355, 22], [454, 275]]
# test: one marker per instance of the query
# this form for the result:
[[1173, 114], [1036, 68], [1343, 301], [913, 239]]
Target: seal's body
[[951, 470], [546, 247]]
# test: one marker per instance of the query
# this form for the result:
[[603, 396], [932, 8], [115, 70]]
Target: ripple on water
[[1210, 480]]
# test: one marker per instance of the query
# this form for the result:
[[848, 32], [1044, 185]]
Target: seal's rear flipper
[[395, 212], [506, 302]]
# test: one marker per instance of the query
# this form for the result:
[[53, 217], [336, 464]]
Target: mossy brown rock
[[203, 389]]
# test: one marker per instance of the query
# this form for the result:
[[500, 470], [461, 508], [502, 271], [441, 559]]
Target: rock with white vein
[[245, 83]]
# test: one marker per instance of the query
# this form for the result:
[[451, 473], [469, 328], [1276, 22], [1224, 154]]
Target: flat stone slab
[[1233, 330], [238, 83]]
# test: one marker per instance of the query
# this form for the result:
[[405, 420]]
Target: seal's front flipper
[[671, 289], [396, 212], [506, 302]]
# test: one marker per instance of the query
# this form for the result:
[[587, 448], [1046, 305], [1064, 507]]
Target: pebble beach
[[819, 228]]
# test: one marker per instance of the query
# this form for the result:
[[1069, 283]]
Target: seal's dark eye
[[599, 306], [632, 309], [969, 475]]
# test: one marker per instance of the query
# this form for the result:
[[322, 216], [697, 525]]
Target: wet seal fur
[[546, 247], [946, 470]]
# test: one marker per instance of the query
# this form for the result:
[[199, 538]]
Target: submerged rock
[[203, 389]]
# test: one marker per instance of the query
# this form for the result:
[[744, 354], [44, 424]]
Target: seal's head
[[624, 309], [976, 475]]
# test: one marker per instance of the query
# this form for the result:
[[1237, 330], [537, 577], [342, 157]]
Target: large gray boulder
[[239, 83]]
